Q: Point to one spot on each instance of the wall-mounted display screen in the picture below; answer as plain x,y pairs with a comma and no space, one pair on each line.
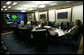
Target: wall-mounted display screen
20,15
63,15
43,16
12,17
18,20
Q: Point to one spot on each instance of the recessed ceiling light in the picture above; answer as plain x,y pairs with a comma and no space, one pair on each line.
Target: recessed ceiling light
23,11
14,3
6,9
4,6
52,4
8,2
41,6
9,6
30,9
67,1
1,9
41,2
22,8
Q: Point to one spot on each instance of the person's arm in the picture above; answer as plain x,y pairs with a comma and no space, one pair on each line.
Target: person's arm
66,32
75,31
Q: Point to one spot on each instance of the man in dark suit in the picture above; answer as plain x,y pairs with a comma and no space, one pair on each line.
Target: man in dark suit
29,26
74,32
21,25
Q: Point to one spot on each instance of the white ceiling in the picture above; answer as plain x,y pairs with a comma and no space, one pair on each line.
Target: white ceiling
26,5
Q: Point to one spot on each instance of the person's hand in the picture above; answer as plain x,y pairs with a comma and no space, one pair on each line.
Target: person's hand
66,30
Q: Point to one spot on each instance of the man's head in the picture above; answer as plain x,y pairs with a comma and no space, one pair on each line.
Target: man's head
29,23
22,22
77,22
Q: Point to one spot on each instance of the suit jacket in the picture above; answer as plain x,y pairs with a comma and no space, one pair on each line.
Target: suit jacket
29,27
73,34
20,25
75,31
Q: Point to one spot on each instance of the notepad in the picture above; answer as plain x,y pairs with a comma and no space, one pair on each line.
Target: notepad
60,32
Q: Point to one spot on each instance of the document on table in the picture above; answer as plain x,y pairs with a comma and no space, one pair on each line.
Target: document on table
47,26
60,32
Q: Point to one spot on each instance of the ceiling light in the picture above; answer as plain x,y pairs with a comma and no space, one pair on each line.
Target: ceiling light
4,6
9,6
14,3
30,9
52,4
41,2
22,8
34,5
67,1
1,9
41,6
23,11
6,9
8,2
30,6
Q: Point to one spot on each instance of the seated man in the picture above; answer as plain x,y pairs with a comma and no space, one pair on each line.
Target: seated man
74,32
21,24
29,27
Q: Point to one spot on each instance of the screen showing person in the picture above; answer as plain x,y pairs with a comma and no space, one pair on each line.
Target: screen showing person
8,16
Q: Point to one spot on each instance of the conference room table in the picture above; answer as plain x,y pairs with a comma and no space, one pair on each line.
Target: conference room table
52,30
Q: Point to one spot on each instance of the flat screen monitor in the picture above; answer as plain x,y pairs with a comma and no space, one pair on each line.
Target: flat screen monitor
63,15
43,16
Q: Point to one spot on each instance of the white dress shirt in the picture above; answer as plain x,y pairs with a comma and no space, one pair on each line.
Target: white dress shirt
72,28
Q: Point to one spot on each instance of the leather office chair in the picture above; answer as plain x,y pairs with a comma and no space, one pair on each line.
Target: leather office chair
57,24
65,25
75,43
39,38
71,42
71,24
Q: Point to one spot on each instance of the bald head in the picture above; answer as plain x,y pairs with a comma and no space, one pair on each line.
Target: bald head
22,22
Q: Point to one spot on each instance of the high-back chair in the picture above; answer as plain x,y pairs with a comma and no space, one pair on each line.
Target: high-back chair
71,24
57,24
75,43
39,37
65,25
24,34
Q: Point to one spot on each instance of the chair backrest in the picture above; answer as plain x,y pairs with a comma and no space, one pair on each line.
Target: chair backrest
57,24
65,23
39,35
71,24
78,40
80,49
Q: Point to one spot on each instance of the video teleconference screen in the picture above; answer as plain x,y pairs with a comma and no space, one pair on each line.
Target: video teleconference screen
62,15
12,17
